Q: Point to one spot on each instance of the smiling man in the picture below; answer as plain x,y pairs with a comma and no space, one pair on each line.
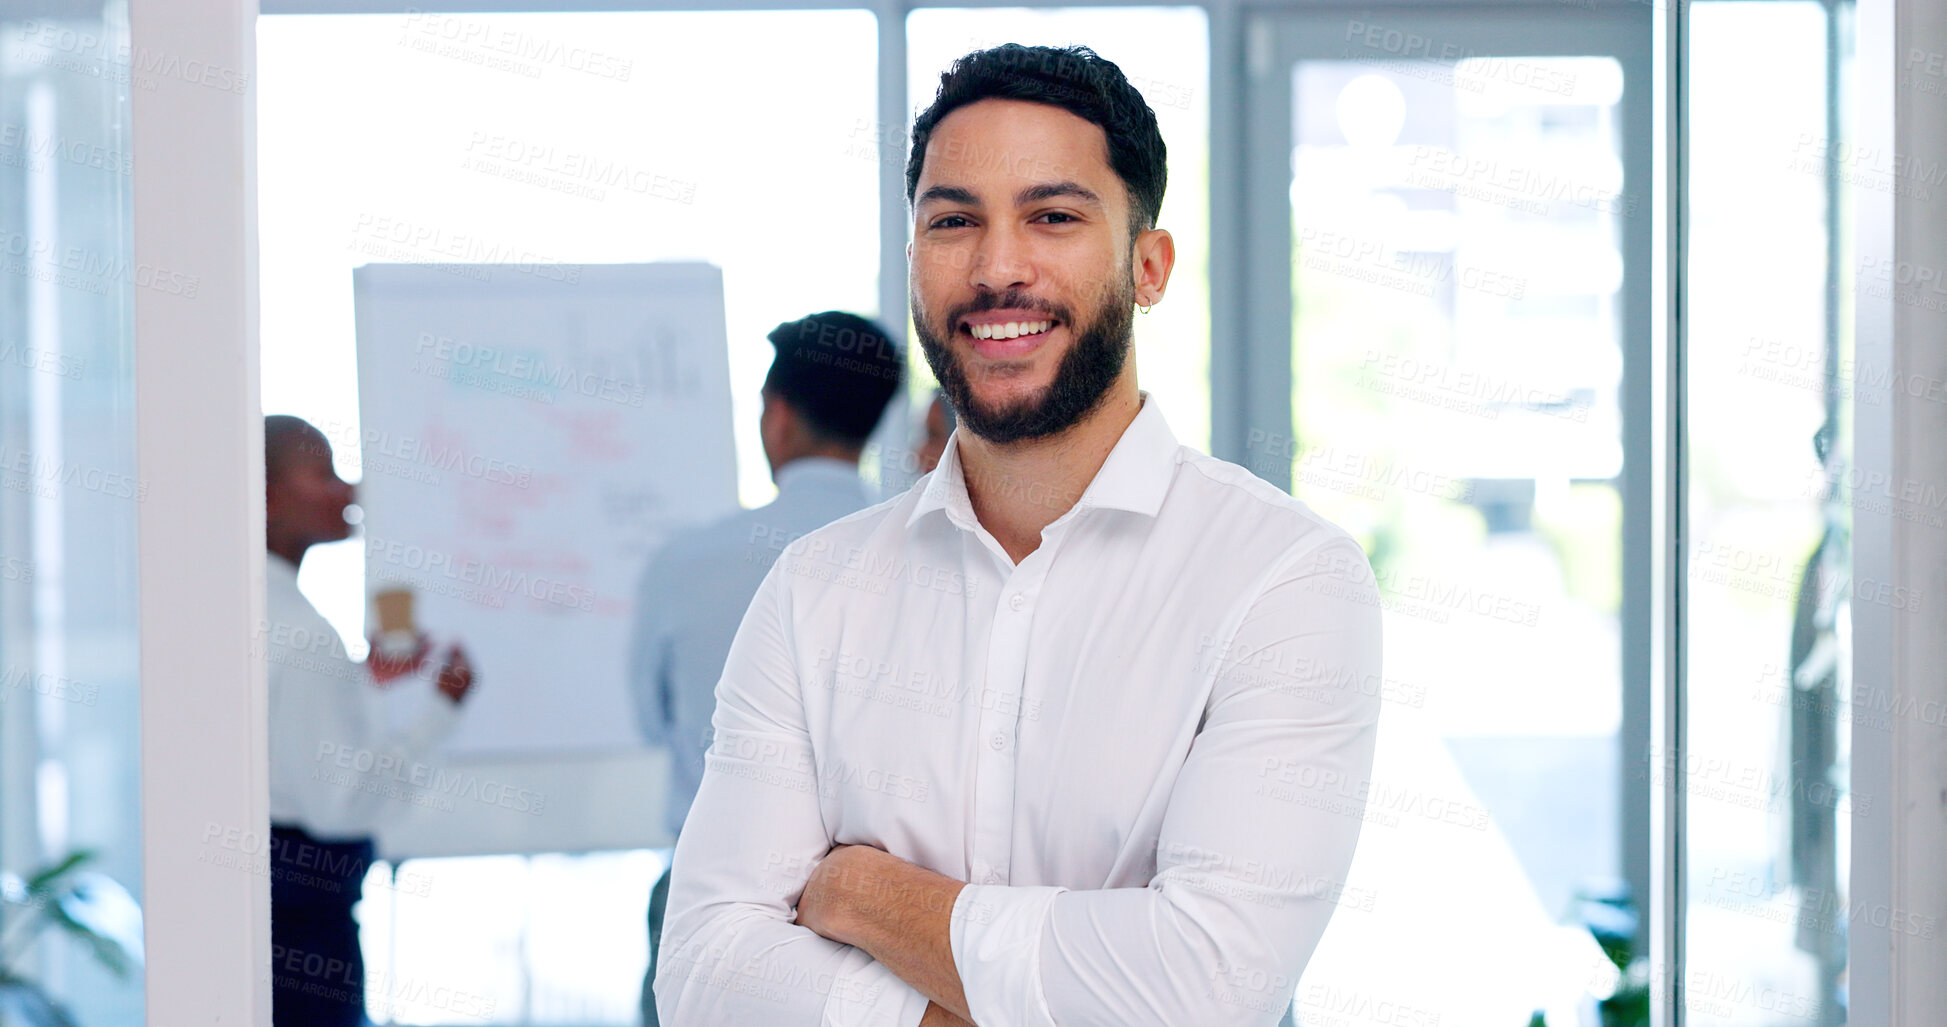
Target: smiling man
1077,730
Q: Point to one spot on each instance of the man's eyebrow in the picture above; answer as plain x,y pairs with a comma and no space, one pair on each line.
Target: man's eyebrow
948,194
1050,190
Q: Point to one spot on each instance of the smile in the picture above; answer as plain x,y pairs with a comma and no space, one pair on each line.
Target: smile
1010,330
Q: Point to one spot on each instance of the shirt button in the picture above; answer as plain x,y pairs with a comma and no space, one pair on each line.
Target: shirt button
991,878
1015,602
997,742
982,872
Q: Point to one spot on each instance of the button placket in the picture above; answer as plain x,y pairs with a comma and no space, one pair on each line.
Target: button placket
993,821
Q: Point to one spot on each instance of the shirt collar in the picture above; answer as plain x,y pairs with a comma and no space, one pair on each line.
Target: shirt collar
1135,477
817,471
275,564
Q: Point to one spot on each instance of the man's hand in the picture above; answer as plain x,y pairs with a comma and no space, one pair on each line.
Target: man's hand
898,913
386,668
829,898
456,677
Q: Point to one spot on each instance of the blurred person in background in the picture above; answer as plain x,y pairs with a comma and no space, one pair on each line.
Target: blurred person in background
334,769
830,381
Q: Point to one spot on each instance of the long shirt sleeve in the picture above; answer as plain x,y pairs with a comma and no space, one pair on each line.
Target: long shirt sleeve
730,952
336,769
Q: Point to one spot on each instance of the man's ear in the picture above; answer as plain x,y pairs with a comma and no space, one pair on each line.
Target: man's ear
780,422
1154,258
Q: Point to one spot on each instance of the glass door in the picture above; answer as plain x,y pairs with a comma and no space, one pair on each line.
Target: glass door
1452,237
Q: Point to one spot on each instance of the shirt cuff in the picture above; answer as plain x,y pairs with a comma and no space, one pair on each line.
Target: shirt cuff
866,994
996,937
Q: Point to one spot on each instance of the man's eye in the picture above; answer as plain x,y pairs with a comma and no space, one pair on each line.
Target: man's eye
1065,217
951,221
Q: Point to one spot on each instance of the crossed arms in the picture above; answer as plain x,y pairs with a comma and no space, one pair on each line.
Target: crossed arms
770,924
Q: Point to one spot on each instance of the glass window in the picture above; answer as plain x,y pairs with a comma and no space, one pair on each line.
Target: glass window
1457,282
471,138
1456,361
69,708
1769,706
463,138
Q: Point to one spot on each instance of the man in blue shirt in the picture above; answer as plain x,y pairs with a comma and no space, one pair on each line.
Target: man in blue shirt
831,380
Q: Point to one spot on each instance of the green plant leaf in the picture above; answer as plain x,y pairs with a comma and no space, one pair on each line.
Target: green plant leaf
46,878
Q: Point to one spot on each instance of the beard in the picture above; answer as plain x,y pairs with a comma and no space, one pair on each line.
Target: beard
1086,371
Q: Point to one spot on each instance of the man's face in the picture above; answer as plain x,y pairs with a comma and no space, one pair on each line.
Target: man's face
1022,268
305,497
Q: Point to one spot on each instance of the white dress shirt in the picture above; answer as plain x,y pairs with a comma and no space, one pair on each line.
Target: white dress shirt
1146,746
335,771
691,597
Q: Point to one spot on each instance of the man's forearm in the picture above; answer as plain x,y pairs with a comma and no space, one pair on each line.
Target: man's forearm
898,913
937,1016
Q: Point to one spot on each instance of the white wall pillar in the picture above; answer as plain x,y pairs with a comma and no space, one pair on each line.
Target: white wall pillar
1899,610
201,561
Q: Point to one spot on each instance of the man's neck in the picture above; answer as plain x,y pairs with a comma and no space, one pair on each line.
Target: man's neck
1019,488
844,454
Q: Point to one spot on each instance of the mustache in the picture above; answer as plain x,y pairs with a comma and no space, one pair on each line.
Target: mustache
1010,300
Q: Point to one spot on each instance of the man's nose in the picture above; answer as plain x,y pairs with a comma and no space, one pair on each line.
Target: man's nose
1002,261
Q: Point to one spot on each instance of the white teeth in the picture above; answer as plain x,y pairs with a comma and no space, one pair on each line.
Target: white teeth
1010,330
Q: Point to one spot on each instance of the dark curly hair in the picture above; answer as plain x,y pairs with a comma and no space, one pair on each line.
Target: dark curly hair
1077,80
